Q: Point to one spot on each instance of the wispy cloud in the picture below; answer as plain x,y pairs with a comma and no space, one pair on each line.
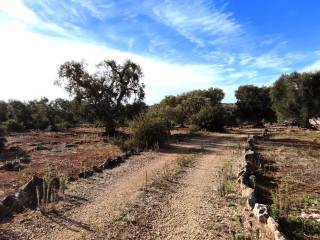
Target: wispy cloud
196,18
38,65
181,45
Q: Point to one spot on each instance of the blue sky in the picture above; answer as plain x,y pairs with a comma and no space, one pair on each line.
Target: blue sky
181,45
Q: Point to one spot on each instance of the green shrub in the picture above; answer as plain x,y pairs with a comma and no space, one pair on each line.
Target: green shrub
123,143
2,138
193,129
149,131
63,126
13,125
209,118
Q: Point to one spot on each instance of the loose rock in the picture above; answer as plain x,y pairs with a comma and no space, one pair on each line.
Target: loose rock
29,194
4,212
261,212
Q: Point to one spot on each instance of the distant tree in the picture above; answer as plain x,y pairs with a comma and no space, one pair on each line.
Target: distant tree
3,111
19,113
215,95
107,90
61,111
2,138
311,96
297,96
182,107
254,104
230,114
39,113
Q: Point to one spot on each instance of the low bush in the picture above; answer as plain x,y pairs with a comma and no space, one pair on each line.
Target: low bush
210,118
148,131
63,126
193,129
13,125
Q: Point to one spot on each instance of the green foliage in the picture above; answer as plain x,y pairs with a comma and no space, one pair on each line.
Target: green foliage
149,131
230,114
39,113
225,184
20,113
107,90
3,111
209,118
254,104
181,109
2,138
194,129
13,125
297,96
299,228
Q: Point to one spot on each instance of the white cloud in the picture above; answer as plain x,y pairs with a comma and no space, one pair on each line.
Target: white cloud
193,18
29,64
17,9
315,66
29,60
271,60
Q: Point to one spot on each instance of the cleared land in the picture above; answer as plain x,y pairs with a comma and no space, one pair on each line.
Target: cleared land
60,153
173,193
170,194
290,181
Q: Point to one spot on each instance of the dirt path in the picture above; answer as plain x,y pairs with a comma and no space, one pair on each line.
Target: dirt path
187,205
184,205
191,214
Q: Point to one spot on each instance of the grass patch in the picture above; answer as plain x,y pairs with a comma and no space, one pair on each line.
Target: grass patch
226,183
296,228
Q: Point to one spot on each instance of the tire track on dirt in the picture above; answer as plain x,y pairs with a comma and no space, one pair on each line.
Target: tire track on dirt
91,203
186,205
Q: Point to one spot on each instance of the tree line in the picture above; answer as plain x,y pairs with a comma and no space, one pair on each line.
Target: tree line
113,95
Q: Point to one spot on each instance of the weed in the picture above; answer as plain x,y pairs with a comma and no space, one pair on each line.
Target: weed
225,180
241,232
63,183
185,161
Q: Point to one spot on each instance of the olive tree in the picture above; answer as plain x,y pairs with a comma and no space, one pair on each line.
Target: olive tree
107,90
254,104
297,96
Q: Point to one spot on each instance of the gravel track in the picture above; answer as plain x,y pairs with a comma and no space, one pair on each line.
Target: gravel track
117,204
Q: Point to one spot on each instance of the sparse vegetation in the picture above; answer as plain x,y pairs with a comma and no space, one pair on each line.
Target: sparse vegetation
226,183
289,185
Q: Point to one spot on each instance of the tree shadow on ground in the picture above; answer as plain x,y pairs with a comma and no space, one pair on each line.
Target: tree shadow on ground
6,234
71,224
13,153
182,143
287,142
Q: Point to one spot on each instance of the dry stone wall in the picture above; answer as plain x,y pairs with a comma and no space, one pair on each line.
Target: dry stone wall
251,163
30,195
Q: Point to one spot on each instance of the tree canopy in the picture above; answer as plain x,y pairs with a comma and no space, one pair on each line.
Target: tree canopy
254,104
297,96
107,90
